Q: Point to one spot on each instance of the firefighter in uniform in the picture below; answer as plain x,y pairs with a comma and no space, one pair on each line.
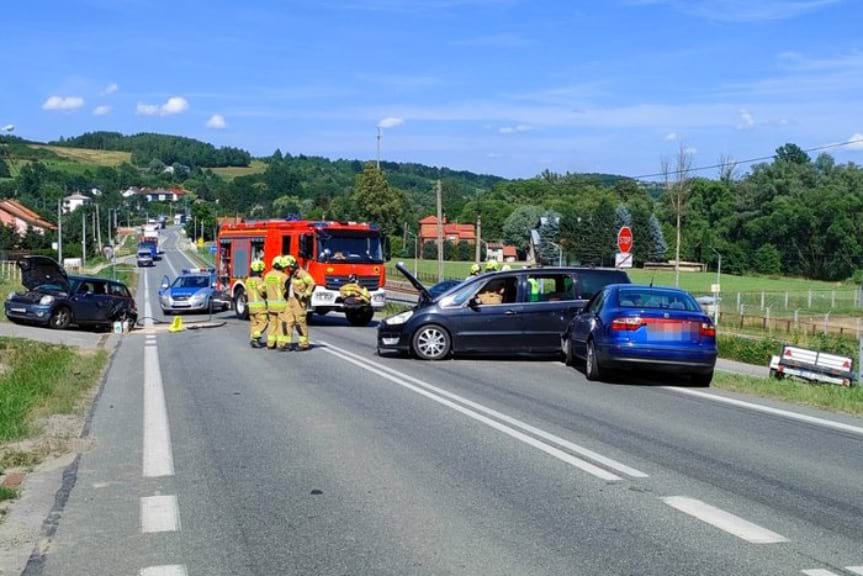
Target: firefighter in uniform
474,271
256,300
275,283
301,286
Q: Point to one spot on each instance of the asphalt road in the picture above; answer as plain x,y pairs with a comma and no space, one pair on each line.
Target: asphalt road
211,458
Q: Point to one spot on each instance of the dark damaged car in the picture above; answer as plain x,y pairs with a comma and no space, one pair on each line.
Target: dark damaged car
513,312
57,300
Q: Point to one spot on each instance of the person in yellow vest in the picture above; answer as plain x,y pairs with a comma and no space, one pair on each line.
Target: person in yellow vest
256,300
491,266
352,293
275,283
301,286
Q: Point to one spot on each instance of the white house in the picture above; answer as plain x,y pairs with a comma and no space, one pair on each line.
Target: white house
74,201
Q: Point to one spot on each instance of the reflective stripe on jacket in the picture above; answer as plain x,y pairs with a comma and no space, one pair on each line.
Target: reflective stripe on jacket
274,284
256,294
302,284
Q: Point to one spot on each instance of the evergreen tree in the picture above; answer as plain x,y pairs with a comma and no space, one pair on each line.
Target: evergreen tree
549,234
4,169
375,201
658,245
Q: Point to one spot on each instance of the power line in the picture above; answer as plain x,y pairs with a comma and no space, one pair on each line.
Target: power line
747,161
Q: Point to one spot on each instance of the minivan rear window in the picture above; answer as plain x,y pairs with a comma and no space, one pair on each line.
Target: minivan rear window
589,282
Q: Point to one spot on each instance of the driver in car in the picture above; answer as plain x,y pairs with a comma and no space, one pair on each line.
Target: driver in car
492,293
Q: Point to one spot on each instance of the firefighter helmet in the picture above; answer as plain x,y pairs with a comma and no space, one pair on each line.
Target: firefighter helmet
257,266
278,262
289,261
474,269
491,266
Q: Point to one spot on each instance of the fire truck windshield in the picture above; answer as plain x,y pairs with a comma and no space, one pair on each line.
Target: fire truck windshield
358,248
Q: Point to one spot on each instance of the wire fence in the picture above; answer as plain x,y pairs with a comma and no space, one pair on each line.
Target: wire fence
9,270
790,303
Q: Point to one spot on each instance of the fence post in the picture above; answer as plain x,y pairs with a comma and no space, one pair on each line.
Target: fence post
809,305
833,298
767,319
738,301
786,300
797,319
762,299
826,322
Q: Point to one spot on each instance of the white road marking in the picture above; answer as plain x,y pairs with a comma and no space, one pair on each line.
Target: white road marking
769,410
571,446
171,266
159,514
723,520
158,456
818,572
855,569
148,312
166,570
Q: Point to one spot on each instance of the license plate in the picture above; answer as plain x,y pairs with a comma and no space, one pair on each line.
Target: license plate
19,310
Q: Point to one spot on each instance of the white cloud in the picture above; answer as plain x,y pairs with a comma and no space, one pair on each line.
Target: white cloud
216,121
63,103
742,10
102,110
671,137
174,105
857,137
110,89
747,121
690,150
515,129
390,122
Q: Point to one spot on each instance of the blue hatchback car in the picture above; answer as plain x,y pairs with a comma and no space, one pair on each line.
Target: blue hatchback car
633,326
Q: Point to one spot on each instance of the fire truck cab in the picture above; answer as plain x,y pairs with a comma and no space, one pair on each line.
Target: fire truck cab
329,251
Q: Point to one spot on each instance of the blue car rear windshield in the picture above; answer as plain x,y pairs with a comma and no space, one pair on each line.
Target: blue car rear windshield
192,282
660,299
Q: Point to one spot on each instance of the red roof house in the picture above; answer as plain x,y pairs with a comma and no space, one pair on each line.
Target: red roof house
453,232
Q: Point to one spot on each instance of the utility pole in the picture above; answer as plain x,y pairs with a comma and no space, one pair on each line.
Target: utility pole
83,239
60,232
478,238
439,232
379,148
99,229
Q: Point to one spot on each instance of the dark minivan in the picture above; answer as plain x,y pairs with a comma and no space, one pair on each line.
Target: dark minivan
513,312
58,300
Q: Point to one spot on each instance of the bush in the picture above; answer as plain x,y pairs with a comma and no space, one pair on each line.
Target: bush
429,251
748,350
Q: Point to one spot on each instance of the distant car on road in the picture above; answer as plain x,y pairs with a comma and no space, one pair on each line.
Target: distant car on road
145,258
193,291
643,327
513,312
57,300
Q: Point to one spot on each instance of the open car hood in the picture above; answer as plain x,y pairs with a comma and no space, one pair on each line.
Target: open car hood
40,270
413,280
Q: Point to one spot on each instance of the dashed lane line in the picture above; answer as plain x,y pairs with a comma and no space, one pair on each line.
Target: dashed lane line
159,514
725,521
158,455
165,570
818,572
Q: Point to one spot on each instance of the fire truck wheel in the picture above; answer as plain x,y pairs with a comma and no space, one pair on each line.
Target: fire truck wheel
240,305
360,317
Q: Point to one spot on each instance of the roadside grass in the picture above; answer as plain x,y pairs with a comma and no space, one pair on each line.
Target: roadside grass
7,286
830,397
40,380
231,172
7,493
697,282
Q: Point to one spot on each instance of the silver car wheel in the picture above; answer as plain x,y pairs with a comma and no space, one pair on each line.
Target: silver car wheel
431,342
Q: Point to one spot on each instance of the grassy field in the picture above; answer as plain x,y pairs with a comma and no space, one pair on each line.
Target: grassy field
835,398
231,172
40,380
697,282
87,156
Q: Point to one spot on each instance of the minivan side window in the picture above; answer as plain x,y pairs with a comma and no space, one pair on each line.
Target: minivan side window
498,290
550,288
589,282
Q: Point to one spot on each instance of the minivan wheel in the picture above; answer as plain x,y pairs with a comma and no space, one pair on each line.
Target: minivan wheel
61,318
591,364
431,342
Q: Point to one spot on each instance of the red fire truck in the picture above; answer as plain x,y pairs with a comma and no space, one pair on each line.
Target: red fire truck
329,251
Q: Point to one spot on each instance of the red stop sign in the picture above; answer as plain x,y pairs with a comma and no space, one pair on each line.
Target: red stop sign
624,239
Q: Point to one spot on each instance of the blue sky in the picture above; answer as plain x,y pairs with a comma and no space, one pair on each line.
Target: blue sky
509,87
